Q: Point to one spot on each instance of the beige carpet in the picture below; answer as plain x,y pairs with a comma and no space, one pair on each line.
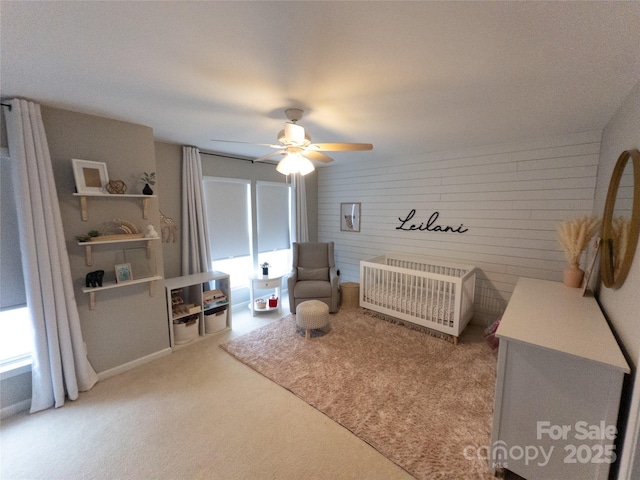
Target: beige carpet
197,414
416,399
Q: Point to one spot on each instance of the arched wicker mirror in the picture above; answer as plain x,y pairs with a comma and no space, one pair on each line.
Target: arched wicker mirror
621,220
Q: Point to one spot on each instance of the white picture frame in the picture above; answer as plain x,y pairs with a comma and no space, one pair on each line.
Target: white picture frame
350,217
91,177
123,273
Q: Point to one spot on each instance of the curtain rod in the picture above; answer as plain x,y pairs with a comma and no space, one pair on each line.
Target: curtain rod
226,156
234,158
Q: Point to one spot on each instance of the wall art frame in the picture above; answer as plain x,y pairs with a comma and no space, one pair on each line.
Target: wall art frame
123,272
350,217
91,177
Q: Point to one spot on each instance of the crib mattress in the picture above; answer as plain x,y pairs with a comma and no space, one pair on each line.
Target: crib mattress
437,307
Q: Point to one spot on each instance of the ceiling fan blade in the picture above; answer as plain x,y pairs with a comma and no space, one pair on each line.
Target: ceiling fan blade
320,157
271,145
340,147
269,155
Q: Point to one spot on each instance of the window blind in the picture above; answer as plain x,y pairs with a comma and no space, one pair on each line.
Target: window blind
273,216
228,222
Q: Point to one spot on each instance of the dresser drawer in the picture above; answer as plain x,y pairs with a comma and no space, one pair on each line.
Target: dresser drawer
266,283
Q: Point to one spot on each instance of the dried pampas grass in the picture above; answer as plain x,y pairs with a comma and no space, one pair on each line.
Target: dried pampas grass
620,233
574,236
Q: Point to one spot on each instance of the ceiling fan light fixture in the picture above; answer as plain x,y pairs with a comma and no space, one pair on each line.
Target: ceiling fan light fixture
305,165
296,144
294,133
295,163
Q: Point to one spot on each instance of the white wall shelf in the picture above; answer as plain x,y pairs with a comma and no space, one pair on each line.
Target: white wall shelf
88,246
83,201
111,240
109,285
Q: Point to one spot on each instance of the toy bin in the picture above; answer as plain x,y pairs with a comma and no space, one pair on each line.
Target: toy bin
215,320
185,332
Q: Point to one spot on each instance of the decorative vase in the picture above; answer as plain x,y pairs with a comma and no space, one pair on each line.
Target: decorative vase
573,276
147,189
265,270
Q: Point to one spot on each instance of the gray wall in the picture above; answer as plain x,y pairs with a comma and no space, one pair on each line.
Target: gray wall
15,392
169,174
127,323
622,306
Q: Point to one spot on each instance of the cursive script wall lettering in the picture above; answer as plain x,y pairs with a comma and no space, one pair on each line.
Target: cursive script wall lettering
429,226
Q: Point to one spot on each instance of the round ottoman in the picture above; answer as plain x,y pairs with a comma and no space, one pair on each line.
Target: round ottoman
312,314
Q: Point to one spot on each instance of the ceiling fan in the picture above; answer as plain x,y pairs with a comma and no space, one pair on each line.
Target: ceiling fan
295,144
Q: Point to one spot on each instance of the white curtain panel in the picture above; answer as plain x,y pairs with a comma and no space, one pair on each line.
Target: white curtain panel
300,200
196,256
59,363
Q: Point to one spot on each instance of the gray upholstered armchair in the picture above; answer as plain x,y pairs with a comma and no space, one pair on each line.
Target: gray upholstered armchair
314,275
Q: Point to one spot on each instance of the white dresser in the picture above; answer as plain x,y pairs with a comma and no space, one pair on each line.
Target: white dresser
558,385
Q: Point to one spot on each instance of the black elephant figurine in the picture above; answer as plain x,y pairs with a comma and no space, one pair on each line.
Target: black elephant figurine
94,279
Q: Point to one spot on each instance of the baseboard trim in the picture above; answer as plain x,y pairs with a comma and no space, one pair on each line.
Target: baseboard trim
15,408
112,372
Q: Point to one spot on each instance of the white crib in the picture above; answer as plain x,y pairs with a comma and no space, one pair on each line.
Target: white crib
425,291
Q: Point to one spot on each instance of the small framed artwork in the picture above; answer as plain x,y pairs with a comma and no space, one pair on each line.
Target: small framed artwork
123,273
350,217
91,177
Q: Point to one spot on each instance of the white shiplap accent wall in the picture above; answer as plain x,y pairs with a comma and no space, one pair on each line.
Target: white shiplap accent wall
510,197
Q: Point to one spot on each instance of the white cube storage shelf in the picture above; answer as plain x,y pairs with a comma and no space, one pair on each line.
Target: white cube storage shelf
203,296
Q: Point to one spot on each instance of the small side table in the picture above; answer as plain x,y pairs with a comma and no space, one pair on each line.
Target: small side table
265,282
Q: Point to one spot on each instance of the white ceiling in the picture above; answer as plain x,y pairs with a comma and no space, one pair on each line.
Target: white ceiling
409,77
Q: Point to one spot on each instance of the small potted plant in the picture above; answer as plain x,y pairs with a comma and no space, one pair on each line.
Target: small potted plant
89,236
265,268
148,179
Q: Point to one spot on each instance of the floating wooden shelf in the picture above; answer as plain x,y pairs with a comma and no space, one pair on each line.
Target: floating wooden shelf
83,201
88,245
109,285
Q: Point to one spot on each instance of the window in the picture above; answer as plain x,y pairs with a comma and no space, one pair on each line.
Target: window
15,326
273,204
228,212
235,209
15,337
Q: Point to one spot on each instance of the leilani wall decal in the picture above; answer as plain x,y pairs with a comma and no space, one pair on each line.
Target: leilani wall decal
430,226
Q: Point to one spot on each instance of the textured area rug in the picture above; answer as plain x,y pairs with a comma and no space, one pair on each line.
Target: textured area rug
422,402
